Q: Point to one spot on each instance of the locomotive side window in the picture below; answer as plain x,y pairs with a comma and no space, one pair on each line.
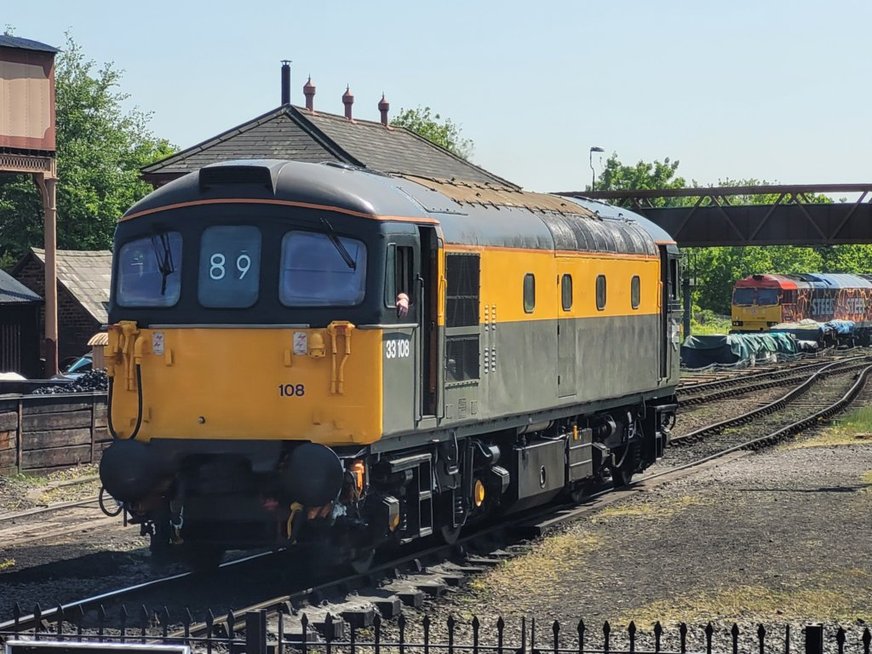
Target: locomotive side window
461,294
566,292
635,292
673,279
529,293
317,270
462,273
229,266
600,292
149,271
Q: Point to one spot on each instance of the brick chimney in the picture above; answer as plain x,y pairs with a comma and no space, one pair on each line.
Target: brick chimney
309,92
286,82
347,100
383,107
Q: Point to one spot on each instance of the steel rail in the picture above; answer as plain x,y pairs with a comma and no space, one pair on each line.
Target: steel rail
776,405
788,377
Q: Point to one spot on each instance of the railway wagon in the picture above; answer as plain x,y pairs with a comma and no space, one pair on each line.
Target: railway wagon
315,353
762,301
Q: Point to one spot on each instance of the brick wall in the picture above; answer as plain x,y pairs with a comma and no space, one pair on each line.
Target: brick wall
75,324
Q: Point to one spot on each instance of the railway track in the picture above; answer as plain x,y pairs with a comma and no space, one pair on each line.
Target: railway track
65,518
308,607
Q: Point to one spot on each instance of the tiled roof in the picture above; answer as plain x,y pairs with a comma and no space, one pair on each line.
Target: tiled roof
87,275
272,136
9,41
14,292
397,150
300,135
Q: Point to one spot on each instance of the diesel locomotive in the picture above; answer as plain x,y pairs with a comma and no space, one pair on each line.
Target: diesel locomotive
763,301
317,353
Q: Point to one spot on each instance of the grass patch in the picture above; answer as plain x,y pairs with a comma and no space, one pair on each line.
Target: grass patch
659,509
855,428
6,564
545,563
820,599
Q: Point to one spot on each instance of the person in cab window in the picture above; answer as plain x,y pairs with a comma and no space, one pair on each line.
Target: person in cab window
404,305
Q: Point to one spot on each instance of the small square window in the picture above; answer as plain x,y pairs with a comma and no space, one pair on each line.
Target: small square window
635,292
529,293
566,292
600,292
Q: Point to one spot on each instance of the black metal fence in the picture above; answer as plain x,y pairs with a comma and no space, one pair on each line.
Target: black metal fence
258,632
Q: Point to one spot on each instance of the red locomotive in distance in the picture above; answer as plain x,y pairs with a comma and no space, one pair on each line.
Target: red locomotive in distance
763,301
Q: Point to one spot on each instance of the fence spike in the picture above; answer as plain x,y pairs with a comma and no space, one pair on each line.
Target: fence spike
475,625
709,630
658,634
451,623
555,629
682,633
761,637
631,630
376,633
840,640
401,623
581,629
607,630
501,625
867,640
734,633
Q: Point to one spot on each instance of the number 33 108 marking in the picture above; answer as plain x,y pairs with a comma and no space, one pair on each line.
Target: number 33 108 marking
397,349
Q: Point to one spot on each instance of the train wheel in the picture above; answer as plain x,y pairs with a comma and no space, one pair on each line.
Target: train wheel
362,561
622,473
449,535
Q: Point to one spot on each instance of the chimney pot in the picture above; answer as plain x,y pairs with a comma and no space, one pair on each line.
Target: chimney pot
309,92
383,107
286,82
347,100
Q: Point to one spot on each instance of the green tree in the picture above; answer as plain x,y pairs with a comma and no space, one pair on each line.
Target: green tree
443,132
100,149
644,175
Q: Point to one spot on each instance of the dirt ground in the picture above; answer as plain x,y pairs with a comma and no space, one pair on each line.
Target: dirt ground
780,537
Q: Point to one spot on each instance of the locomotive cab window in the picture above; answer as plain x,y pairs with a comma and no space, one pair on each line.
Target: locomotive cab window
149,271
322,270
566,292
600,292
399,274
635,292
529,293
229,266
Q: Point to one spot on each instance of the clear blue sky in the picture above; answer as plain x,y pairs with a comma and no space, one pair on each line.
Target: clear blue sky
775,90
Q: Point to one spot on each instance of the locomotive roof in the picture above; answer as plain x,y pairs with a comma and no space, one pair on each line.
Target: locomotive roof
469,213
805,280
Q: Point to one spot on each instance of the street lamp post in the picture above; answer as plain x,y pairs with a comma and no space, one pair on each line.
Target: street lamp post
595,148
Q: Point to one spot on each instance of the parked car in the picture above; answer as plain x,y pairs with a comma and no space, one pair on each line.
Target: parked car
77,368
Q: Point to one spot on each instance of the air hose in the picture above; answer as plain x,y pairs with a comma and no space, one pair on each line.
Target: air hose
138,424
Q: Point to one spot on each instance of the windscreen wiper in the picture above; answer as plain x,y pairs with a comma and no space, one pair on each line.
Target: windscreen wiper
164,257
346,257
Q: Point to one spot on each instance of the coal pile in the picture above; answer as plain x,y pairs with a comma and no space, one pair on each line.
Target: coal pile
90,382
